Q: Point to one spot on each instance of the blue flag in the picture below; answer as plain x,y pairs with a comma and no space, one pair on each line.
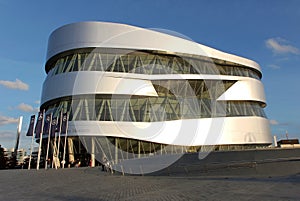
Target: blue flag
31,125
58,125
64,124
53,126
38,126
47,124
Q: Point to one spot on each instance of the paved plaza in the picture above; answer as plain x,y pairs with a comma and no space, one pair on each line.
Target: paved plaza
93,184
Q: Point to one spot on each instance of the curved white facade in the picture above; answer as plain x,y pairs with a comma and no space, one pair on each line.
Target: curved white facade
127,82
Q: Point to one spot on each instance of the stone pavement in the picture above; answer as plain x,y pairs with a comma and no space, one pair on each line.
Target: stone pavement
92,184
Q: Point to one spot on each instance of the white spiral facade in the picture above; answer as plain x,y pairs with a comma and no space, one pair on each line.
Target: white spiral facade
127,82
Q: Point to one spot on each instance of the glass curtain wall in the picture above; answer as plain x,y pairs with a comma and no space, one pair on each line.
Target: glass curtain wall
143,62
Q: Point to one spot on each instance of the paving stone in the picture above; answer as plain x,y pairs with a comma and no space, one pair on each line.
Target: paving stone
92,184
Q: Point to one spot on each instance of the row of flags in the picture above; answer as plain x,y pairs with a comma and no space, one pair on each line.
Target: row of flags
47,124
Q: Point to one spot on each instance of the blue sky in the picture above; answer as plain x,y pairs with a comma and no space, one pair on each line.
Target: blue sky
267,31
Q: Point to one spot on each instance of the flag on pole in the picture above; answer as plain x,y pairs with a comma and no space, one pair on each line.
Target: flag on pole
38,126
31,125
64,123
47,128
64,130
58,125
38,130
53,127
47,124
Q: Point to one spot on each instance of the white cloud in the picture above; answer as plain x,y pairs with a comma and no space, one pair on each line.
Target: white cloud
280,46
273,122
7,138
8,120
18,84
37,102
7,134
273,66
26,108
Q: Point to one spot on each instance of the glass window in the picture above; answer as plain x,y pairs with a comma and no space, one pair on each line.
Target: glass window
145,63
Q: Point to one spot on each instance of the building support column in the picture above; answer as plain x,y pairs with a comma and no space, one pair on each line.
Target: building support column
116,150
127,145
71,150
92,162
139,149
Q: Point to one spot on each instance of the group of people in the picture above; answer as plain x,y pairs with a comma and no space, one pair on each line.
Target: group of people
105,164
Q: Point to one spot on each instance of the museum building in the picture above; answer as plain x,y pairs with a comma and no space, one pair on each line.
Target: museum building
132,92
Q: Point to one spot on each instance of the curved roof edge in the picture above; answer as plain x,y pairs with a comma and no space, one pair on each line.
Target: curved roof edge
115,35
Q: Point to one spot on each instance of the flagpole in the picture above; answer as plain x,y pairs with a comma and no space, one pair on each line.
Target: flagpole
30,133
40,144
54,150
49,132
64,154
54,154
15,153
31,147
57,154
59,131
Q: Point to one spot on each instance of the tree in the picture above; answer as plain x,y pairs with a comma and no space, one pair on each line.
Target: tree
2,158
